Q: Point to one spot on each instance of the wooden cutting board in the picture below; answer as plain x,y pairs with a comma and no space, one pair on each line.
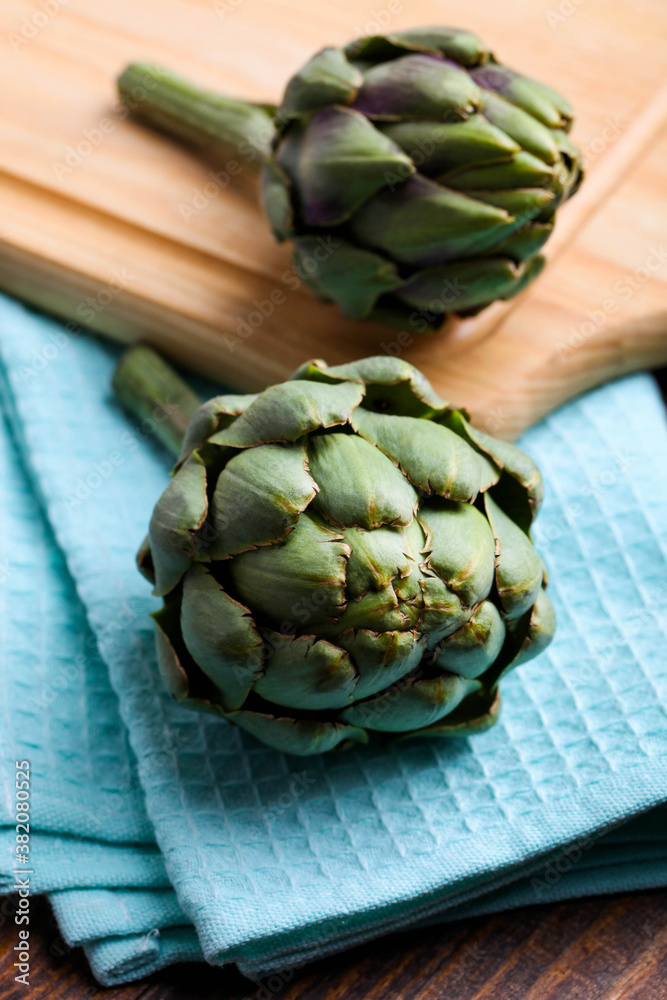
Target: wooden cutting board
122,231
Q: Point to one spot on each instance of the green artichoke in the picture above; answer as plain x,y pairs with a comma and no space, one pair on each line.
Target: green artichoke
415,175
343,554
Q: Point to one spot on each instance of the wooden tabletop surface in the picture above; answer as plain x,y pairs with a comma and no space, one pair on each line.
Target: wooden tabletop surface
604,948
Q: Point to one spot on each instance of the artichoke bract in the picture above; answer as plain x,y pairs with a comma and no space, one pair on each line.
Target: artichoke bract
415,174
344,554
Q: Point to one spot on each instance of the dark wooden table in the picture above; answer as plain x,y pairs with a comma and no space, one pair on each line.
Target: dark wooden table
604,948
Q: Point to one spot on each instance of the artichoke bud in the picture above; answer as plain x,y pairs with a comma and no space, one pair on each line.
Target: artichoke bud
388,158
344,554
411,151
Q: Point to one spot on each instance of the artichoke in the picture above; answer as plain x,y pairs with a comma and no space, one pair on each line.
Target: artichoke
344,554
415,174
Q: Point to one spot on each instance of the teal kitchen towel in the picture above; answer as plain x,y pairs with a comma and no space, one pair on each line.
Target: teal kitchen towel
87,825
275,859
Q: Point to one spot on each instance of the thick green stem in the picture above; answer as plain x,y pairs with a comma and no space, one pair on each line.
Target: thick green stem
153,392
223,125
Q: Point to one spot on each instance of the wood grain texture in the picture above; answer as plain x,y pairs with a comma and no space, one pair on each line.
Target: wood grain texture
606,948
111,226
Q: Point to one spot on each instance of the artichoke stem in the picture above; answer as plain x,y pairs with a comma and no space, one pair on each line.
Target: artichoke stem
153,392
222,125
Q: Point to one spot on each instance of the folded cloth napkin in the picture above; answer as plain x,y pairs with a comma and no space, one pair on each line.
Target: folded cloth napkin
88,823
276,860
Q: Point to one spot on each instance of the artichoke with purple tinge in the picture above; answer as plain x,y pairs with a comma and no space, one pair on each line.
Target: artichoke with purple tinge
415,175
